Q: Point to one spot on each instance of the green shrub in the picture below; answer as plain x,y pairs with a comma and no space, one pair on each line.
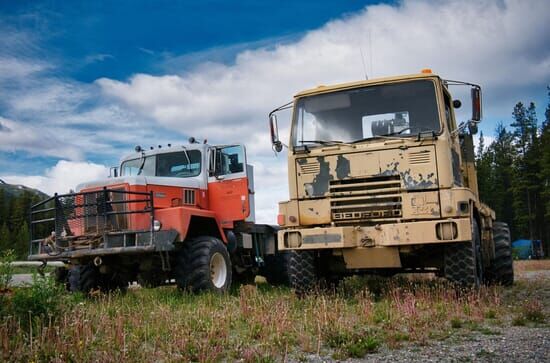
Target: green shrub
40,300
6,269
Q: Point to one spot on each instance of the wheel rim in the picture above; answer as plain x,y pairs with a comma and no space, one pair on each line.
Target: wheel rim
218,270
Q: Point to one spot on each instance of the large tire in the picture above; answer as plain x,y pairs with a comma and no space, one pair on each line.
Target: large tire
462,261
204,265
87,278
302,272
84,278
501,270
276,270
151,278
61,276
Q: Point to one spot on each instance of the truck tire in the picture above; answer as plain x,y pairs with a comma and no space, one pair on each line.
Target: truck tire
501,270
276,270
86,278
302,272
61,276
204,265
150,279
462,261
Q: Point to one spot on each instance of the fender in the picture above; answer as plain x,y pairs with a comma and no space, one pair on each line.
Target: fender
179,219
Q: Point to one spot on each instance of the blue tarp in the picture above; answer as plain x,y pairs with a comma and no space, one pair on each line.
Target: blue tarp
525,249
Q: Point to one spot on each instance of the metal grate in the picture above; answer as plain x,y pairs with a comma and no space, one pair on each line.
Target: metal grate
420,157
189,196
310,168
372,200
80,220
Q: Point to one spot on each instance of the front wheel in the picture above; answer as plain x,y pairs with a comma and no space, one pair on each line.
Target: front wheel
462,261
302,272
204,265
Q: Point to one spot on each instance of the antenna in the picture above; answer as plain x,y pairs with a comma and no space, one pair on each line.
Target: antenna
363,60
370,51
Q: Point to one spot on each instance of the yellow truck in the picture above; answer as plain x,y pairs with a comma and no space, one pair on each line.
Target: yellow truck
383,180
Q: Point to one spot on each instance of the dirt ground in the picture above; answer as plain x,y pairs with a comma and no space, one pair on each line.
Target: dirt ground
510,342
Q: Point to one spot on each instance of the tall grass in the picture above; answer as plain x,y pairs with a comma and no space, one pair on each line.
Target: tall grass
252,323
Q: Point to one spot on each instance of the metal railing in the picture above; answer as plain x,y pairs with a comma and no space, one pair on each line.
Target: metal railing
82,220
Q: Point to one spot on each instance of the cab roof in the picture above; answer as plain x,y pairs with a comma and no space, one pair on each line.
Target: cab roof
357,84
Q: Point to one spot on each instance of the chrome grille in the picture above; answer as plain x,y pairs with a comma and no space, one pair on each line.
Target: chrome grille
372,199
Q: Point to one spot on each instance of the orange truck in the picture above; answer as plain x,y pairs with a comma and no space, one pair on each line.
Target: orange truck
183,213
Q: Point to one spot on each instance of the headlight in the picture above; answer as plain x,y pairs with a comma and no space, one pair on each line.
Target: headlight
157,225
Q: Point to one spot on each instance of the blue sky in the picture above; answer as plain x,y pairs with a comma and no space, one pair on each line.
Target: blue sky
81,83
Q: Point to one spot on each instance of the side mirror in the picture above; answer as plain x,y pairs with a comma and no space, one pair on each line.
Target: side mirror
113,172
476,104
277,144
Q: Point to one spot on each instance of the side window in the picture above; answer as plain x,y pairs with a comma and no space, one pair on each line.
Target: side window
230,160
448,117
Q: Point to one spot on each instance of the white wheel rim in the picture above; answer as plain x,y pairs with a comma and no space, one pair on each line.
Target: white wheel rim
218,270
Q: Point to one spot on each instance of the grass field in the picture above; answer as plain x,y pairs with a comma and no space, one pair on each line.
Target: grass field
258,323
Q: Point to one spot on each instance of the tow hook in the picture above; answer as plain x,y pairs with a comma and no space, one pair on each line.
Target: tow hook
98,261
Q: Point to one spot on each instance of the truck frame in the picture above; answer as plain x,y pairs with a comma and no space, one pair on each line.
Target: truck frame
183,213
383,180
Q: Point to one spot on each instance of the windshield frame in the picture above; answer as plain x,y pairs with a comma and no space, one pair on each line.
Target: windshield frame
295,114
156,166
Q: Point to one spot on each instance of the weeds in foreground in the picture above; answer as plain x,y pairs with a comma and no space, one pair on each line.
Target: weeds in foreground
252,323
6,269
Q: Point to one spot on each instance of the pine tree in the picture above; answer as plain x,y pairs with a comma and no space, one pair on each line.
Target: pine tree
500,181
5,238
21,242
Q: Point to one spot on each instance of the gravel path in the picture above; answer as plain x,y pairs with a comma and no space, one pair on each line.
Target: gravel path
515,344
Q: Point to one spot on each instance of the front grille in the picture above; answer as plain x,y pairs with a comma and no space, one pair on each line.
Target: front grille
189,196
369,200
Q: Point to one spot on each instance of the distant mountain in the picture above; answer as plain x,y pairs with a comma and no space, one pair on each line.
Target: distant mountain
14,190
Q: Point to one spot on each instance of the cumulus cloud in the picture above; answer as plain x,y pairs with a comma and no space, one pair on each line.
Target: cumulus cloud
37,141
62,177
500,44
489,42
486,42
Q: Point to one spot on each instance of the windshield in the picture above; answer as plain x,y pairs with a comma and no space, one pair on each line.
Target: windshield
403,109
175,164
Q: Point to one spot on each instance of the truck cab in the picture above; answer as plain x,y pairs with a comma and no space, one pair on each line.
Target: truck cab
382,178
142,223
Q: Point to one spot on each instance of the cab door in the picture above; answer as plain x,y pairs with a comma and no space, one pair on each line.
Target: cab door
228,184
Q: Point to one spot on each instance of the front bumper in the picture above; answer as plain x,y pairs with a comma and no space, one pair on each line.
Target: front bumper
383,235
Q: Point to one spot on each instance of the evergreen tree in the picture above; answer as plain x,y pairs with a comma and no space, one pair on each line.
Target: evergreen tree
503,155
21,242
5,238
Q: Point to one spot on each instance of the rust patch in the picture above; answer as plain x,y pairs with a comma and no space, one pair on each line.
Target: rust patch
321,180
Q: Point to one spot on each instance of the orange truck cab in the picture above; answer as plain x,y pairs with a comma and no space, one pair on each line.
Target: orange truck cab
148,222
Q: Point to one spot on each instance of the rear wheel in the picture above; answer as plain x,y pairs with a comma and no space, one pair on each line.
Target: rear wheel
462,261
276,270
302,272
501,270
204,265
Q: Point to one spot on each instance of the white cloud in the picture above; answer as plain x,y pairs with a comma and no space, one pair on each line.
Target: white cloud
37,141
16,68
489,42
503,45
62,177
